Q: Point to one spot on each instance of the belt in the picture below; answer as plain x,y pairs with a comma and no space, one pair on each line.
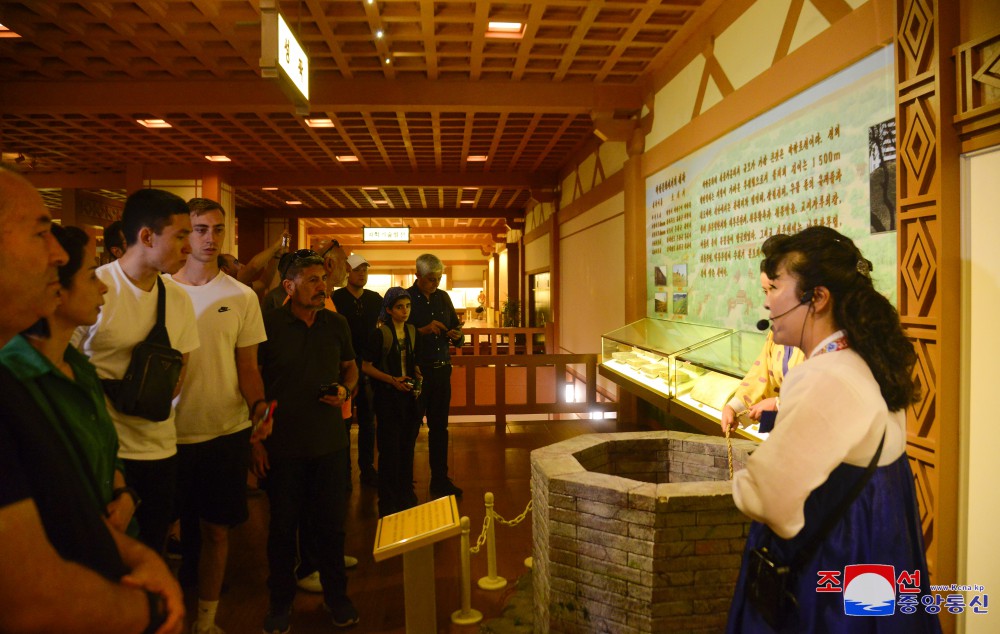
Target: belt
437,364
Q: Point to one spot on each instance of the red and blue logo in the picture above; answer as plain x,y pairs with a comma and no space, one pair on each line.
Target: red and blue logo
869,590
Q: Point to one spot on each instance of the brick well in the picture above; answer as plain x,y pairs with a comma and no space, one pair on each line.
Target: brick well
635,532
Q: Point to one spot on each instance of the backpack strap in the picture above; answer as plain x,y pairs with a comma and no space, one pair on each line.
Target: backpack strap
386,344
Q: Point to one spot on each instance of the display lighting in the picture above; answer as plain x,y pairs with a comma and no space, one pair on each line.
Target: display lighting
153,123
218,158
477,158
320,123
347,158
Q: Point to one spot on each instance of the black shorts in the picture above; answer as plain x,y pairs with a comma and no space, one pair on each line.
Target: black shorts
212,479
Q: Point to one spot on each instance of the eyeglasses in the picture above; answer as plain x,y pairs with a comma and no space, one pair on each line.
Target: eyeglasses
333,245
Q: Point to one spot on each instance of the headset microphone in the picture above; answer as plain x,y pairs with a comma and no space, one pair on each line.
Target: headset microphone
764,324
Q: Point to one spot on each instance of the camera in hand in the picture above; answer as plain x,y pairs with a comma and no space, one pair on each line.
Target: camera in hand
329,389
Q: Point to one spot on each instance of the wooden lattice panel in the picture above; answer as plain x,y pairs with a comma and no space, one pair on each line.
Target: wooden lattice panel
927,193
978,82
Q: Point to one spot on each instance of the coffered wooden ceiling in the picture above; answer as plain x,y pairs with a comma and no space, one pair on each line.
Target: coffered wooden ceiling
82,72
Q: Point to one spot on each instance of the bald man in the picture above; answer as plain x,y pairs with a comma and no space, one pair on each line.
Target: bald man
64,570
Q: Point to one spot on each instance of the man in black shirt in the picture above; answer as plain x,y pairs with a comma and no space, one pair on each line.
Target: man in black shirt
361,307
308,366
63,569
437,322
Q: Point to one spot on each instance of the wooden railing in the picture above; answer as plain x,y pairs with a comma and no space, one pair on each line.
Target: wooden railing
524,384
513,341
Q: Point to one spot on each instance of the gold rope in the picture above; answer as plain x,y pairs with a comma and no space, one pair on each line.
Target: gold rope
729,449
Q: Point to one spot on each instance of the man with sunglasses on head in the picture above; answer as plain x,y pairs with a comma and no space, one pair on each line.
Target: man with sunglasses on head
308,366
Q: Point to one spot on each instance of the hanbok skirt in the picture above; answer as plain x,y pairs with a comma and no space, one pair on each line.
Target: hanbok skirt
881,526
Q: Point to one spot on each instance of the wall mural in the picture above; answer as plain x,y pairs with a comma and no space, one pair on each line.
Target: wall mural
826,156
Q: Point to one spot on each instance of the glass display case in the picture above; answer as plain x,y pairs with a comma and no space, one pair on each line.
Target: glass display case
644,352
708,374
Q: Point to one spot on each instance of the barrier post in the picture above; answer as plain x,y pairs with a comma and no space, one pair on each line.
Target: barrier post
491,581
466,615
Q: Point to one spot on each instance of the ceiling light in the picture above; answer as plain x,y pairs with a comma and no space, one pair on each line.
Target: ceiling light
388,60
293,202
370,189
218,158
472,189
477,158
153,123
468,202
378,34
381,202
347,158
6,32
268,189
371,1
505,29
320,123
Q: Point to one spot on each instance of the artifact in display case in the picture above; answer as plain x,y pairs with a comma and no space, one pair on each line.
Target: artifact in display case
643,352
709,374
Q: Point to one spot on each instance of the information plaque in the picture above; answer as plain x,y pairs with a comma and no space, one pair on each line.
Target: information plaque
416,527
412,534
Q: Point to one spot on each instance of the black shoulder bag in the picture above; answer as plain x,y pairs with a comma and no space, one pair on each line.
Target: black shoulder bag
770,583
147,389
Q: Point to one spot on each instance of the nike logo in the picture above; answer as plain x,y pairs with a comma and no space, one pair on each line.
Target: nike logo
223,309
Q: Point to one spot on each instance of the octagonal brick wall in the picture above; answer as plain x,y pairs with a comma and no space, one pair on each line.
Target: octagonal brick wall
635,532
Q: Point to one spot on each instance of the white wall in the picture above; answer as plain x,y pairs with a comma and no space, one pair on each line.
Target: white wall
979,550
592,270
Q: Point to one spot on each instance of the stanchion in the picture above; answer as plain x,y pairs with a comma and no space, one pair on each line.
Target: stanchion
491,581
466,616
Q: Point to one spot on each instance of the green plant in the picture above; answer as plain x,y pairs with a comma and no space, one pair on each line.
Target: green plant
510,314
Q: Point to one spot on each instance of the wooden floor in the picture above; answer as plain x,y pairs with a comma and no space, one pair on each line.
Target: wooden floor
481,459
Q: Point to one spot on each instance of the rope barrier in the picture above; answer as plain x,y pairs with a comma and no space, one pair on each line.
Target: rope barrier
729,451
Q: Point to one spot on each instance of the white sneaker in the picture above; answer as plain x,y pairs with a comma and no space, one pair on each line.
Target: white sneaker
350,562
311,583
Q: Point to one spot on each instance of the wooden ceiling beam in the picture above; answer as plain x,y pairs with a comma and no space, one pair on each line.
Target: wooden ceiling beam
466,212
340,95
352,178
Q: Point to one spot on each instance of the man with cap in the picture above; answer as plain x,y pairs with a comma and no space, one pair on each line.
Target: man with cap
361,307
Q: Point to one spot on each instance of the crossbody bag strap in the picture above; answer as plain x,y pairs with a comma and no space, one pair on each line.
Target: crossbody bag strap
159,332
806,552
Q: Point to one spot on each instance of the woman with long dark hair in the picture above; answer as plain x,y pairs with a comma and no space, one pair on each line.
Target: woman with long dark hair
832,486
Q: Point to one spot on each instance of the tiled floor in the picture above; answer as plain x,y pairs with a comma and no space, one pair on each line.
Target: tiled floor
480,460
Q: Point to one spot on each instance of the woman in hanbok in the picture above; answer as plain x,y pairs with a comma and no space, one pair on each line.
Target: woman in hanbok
832,487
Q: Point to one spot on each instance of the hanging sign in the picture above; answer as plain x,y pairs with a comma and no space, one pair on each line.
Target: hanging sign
386,234
282,56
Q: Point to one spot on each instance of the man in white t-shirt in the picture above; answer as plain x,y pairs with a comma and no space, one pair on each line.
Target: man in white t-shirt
222,392
156,225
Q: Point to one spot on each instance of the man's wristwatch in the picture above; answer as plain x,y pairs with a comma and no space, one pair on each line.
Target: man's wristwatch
118,492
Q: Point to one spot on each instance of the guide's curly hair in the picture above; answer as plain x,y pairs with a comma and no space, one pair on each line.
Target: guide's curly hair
820,256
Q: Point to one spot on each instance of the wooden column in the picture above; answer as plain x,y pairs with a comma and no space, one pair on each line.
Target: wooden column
929,264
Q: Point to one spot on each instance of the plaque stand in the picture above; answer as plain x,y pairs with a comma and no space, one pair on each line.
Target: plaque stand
412,533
